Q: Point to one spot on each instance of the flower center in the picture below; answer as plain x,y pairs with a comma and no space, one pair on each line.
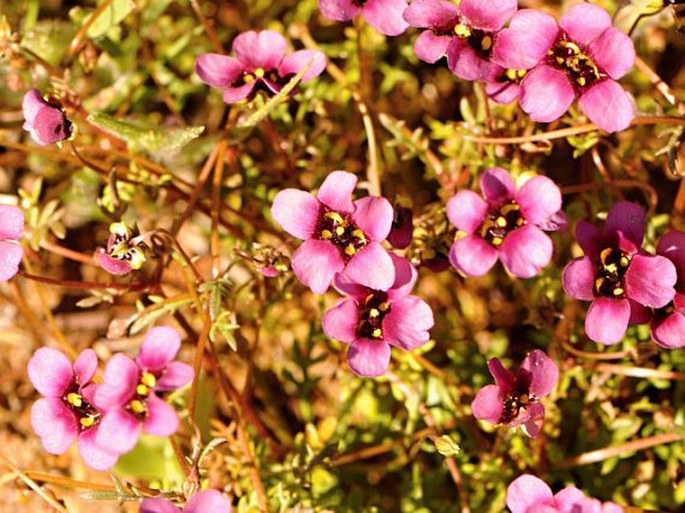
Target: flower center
87,414
567,56
138,405
610,271
341,232
514,75
513,404
121,246
500,222
374,309
479,40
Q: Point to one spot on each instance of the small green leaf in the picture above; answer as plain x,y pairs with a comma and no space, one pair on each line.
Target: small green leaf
110,17
446,446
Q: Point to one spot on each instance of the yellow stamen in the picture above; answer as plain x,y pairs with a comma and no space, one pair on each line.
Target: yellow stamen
612,268
511,74
521,73
87,421
373,313
497,241
148,379
581,81
142,390
501,222
598,283
383,307
326,234
248,79
137,406
604,255
376,333
137,258
259,72
359,235
74,399
368,298
486,43
510,207
618,291
120,229
524,399
462,30
350,250
624,261
340,230
335,217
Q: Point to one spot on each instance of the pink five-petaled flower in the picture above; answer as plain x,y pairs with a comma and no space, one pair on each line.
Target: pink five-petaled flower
514,399
260,63
668,323
507,224
466,33
616,275
46,122
383,15
373,320
125,250
67,411
209,501
11,230
530,494
338,234
582,57
129,392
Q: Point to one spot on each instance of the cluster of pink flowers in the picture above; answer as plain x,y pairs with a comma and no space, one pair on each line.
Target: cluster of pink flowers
11,230
106,418
343,245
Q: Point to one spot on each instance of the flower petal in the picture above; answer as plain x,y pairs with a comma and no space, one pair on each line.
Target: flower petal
650,280
315,263
670,332
590,238
374,216
585,22
158,506
85,366
629,219
438,15
160,346
113,265
570,498
340,322
218,70
292,64
546,94
608,106
336,191
405,277
578,279
543,372
607,320
54,424
386,16
93,455
407,324
539,199
264,49
497,185
297,212
50,126
472,256
339,10
118,431
176,375
162,419
526,491
502,92
488,15
672,246
614,51
11,222
209,501
430,47
31,104
464,62
236,94
524,44
50,372
504,379
488,405
466,210
525,251
369,358
120,380
372,267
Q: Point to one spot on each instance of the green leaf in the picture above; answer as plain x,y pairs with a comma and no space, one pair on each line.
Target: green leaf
110,17
446,446
152,459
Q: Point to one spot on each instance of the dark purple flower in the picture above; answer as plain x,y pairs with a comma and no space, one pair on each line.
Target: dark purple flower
514,399
45,121
11,230
616,275
508,224
383,15
260,63
209,501
338,234
530,494
581,57
402,230
465,33
129,393
372,320
67,412
668,323
125,250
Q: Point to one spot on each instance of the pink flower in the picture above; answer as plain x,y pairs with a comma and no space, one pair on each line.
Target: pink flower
514,399
668,322
45,121
210,501
465,33
582,57
616,275
260,63
130,392
11,230
67,413
503,85
338,234
372,320
383,15
125,251
508,224
529,494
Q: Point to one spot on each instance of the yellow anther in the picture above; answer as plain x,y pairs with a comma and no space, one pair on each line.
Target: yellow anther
520,221
368,298
605,253
501,221
581,81
511,74
74,399
618,291
624,261
148,379
87,421
334,216
486,43
611,268
120,229
326,234
509,207
259,72
376,333
373,313
598,283
497,241
560,60
358,234
574,47
142,390
462,30
248,78
384,306
350,250
137,258
137,406
521,73
524,399
340,230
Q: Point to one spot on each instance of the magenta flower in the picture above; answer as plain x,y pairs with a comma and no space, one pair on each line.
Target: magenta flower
372,320
210,501
383,15
125,250
338,234
11,230
508,224
66,412
514,399
668,323
530,494
45,121
260,63
581,57
616,275
130,392
466,34
402,230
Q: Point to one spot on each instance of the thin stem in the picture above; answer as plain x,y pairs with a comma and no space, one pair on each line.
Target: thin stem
77,43
209,29
71,284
